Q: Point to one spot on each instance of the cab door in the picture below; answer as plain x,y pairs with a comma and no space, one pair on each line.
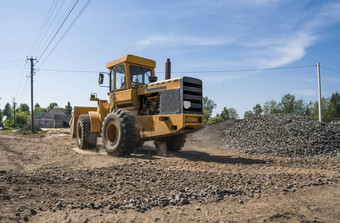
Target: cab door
121,93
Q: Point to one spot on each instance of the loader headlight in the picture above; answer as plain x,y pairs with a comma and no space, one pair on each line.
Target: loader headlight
187,104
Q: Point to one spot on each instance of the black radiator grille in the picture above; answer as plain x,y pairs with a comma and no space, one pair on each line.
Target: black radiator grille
191,90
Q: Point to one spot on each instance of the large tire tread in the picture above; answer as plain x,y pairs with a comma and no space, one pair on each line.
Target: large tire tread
129,133
86,139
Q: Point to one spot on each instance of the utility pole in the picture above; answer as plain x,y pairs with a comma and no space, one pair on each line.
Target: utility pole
32,72
319,90
14,105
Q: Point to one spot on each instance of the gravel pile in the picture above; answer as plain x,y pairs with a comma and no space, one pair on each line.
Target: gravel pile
280,135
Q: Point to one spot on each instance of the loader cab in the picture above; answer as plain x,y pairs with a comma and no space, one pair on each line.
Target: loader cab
130,72
126,75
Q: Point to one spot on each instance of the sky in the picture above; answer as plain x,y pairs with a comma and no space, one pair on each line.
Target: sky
200,38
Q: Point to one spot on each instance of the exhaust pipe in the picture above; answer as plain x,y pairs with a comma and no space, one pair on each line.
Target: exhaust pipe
167,69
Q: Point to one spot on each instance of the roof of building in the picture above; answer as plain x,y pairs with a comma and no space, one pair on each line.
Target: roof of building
65,118
51,113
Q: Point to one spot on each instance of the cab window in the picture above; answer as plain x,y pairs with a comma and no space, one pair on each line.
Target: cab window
139,74
119,73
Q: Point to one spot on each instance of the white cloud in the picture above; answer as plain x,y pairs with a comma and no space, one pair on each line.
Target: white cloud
183,41
283,51
256,46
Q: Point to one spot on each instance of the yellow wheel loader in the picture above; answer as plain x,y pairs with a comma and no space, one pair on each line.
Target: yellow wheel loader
139,109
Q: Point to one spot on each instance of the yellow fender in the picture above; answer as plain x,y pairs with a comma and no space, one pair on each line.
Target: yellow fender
97,117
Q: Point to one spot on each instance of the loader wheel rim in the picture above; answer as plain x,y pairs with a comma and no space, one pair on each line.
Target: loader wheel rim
112,133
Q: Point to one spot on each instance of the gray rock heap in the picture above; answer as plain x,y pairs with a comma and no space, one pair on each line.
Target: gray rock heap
280,135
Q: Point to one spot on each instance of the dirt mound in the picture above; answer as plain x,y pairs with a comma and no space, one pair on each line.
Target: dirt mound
280,135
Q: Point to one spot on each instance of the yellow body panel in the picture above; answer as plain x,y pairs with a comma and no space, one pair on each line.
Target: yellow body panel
161,125
97,117
159,86
95,121
132,59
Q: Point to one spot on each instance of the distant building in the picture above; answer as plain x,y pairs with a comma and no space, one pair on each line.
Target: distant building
55,118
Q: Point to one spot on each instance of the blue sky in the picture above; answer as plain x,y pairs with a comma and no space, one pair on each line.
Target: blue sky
196,35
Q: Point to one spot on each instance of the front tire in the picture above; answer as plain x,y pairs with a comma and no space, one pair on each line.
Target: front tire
120,133
85,138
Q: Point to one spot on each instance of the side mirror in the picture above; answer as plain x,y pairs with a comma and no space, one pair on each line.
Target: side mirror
153,79
101,79
93,95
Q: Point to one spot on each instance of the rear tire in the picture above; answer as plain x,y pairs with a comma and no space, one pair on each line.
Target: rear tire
120,133
172,143
85,138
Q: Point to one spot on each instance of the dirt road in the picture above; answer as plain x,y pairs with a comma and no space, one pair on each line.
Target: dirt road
45,178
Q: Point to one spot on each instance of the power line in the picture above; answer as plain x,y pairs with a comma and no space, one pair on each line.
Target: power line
330,69
22,74
207,71
52,22
58,30
42,28
23,91
75,71
241,70
68,29
34,45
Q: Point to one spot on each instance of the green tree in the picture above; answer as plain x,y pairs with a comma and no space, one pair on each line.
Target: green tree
68,109
21,120
328,110
208,107
335,100
52,105
233,114
8,110
309,109
39,109
271,107
287,103
225,114
24,108
257,110
300,107
9,122
214,120
248,114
